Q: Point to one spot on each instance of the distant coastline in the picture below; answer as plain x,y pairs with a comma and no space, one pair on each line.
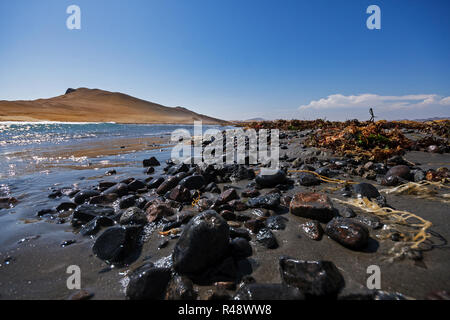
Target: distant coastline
85,105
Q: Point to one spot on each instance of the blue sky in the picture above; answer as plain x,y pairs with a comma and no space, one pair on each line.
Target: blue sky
236,59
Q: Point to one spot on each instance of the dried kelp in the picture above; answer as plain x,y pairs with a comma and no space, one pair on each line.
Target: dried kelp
416,231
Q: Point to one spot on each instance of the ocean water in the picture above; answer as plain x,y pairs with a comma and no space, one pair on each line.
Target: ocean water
36,158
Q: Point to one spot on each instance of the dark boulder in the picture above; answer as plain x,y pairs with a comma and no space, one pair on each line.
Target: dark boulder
93,226
276,222
167,185
126,202
316,206
82,196
348,233
65,206
133,215
401,171
180,194
308,179
267,238
194,182
181,288
203,243
312,229
182,167
120,189
136,185
366,190
155,183
227,195
87,212
313,278
270,180
152,162
115,244
148,282
268,201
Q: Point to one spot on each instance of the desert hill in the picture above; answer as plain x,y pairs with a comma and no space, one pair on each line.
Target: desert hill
94,105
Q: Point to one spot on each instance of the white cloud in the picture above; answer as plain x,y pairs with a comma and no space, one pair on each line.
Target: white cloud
385,103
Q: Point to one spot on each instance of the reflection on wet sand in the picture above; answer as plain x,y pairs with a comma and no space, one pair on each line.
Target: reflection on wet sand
80,156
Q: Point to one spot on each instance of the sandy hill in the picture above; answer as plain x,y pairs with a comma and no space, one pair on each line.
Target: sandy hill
94,105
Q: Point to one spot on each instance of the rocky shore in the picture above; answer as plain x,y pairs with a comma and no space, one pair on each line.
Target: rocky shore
311,230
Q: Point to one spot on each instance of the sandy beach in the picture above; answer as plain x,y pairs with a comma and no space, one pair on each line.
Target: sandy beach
34,262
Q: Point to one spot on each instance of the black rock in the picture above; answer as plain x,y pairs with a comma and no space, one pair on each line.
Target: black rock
126,201
313,278
82,196
254,225
267,238
390,181
133,215
400,171
66,206
308,179
366,190
181,175
115,244
313,230
167,185
155,183
311,205
212,187
203,243
120,189
152,162
55,194
240,248
149,170
268,201
181,288
110,172
348,233
182,167
240,233
276,222
180,194
44,212
87,212
148,282
227,195
93,226
268,291
136,185
271,180
194,182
